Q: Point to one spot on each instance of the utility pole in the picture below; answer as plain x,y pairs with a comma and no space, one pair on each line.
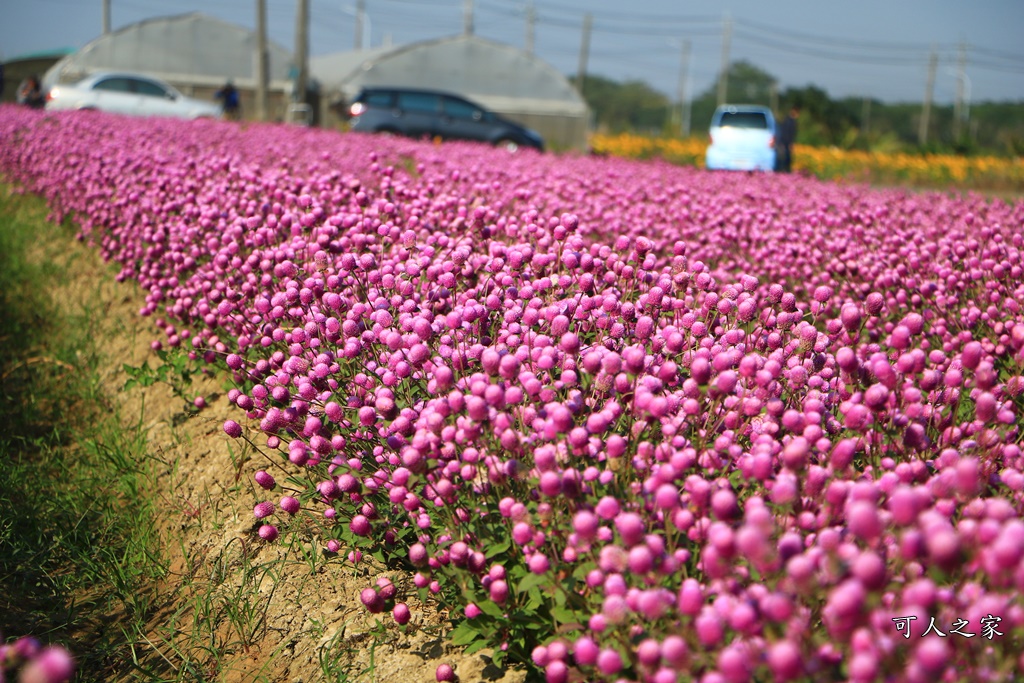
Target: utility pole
684,73
723,80
929,88
301,50
581,69
360,18
531,22
467,17
106,17
262,60
958,103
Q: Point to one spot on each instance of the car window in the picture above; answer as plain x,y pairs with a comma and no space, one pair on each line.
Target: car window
377,99
113,85
149,88
415,101
744,119
460,109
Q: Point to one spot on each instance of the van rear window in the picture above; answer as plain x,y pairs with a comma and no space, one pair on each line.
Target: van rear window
743,119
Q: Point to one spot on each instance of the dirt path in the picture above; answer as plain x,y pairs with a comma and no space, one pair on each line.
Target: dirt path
232,607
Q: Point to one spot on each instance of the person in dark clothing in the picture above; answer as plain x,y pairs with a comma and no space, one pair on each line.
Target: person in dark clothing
230,96
784,140
31,94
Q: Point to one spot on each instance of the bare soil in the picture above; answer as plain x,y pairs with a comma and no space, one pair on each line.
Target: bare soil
232,607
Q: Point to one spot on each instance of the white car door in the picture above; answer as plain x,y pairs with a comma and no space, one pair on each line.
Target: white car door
114,94
156,100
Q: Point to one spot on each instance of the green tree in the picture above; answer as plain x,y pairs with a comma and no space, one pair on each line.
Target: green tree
823,121
628,106
747,84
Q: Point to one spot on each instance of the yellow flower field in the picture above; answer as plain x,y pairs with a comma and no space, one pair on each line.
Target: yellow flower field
933,170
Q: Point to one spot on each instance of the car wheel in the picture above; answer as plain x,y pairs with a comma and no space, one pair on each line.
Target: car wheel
510,145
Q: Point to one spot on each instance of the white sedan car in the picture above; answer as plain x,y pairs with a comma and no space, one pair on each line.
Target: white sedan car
126,93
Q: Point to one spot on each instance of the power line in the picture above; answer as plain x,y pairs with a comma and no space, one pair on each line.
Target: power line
833,41
834,55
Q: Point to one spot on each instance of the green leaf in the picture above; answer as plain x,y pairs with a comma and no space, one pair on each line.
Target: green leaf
499,549
563,614
491,609
463,634
531,581
535,598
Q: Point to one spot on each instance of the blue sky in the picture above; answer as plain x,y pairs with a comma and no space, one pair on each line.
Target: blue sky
876,48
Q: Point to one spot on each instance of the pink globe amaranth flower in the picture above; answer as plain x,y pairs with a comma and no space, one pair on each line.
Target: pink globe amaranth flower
385,588
289,504
232,429
609,661
360,525
675,652
944,548
472,611
863,667
372,600
586,651
985,407
735,664
418,555
51,665
445,674
785,661
401,614
874,303
538,563
631,527
499,591
863,520
556,672
648,652
709,628
265,480
269,532
870,569
264,509
932,655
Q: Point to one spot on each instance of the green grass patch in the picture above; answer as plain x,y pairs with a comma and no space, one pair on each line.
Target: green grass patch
78,546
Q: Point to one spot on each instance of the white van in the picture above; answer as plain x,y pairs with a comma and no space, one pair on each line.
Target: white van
742,138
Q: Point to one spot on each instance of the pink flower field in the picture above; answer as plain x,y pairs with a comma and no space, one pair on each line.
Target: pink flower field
626,421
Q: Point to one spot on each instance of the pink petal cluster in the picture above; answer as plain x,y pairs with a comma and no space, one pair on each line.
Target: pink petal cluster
34,663
732,428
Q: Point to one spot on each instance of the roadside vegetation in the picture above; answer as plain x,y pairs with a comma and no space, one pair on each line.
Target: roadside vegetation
937,171
78,547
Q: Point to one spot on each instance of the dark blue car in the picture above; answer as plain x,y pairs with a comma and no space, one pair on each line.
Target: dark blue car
430,113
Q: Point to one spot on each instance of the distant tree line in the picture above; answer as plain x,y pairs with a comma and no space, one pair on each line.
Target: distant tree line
849,123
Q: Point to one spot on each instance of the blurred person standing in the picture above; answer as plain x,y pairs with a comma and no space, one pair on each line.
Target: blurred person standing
30,93
231,104
784,140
